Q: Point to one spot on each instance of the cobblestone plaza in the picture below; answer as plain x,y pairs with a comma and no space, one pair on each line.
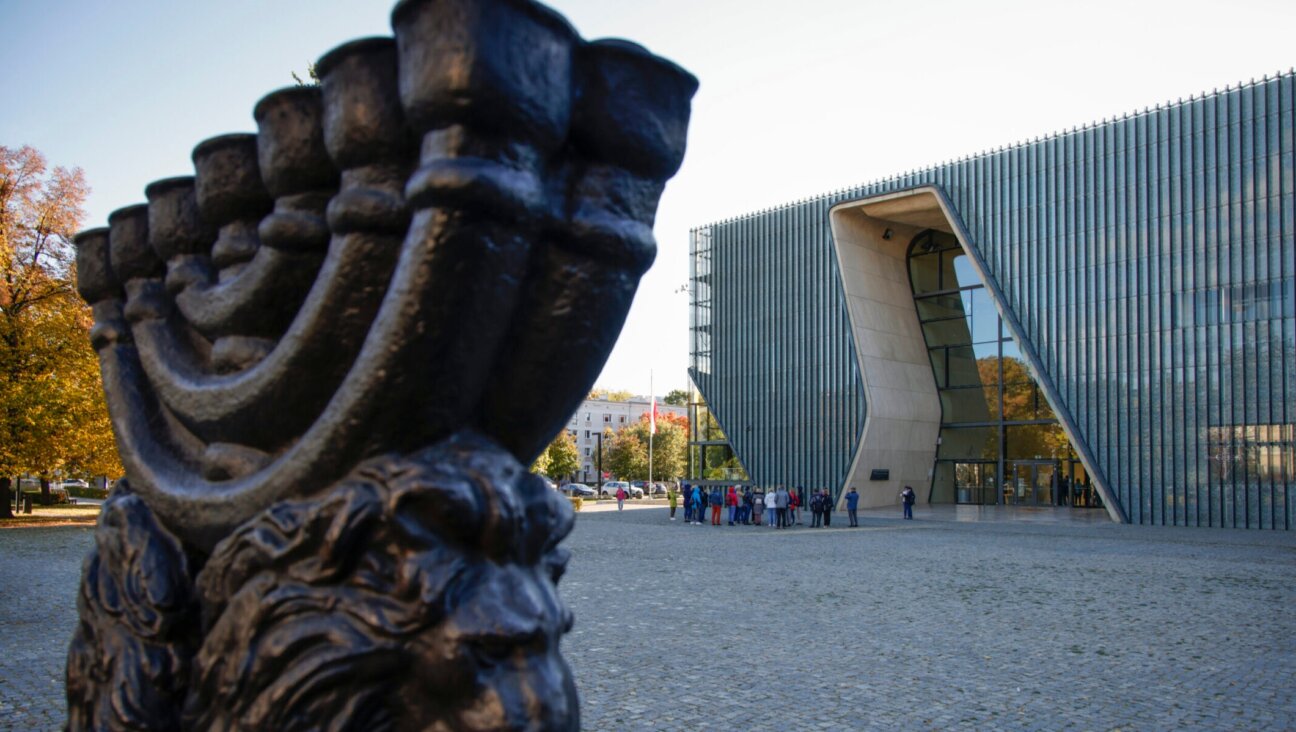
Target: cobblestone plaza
930,624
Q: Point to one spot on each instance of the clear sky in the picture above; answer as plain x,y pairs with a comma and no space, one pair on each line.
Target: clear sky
797,98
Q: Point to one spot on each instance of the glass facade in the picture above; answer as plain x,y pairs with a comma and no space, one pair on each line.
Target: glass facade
1144,266
770,350
1000,442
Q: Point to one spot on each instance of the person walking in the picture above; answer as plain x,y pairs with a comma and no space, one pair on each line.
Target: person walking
731,500
816,509
781,504
717,500
621,496
852,504
671,497
758,505
827,508
908,497
698,506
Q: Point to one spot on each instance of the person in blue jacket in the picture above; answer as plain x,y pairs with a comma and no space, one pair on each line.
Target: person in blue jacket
699,505
908,497
852,504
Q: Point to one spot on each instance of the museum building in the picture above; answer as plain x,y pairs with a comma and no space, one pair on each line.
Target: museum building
1102,318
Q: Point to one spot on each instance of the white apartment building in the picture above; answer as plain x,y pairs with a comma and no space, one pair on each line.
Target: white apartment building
596,415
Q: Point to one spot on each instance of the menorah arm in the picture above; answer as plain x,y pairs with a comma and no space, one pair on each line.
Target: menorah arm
260,301
425,336
322,341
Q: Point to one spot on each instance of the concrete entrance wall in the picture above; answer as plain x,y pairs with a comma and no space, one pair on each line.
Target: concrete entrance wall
903,417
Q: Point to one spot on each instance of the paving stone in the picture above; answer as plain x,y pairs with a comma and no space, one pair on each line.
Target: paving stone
896,625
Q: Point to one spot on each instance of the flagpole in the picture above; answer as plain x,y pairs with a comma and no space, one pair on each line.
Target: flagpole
652,427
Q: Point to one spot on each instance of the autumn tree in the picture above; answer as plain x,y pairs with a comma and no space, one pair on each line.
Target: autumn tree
626,452
619,395
677,397
560,458
51,396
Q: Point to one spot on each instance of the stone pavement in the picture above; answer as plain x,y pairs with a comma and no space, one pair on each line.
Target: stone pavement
898,625
40,569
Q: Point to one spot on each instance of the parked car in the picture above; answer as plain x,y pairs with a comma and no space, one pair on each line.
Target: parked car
659,489
610,489
76,484
578,490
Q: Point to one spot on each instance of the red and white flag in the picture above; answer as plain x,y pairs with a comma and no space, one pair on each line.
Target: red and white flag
652,417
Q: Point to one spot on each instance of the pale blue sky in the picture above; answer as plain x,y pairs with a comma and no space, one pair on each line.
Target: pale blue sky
797,98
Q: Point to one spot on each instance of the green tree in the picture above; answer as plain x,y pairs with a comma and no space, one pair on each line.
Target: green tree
51,395
730,469
560,458
626,452
677,397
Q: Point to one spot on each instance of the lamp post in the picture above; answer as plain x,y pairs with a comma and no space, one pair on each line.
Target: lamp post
598,465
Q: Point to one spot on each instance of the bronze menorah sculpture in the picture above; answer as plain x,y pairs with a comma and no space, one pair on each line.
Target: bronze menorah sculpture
329,357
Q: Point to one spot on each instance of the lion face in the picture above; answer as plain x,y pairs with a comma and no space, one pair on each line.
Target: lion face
494,663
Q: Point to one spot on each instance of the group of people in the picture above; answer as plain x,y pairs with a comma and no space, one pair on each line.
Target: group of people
778,508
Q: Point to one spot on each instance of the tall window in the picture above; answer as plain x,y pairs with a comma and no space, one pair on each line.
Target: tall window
1000,441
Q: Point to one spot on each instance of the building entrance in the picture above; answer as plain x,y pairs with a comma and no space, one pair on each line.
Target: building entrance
975,482
1031,483
1000,441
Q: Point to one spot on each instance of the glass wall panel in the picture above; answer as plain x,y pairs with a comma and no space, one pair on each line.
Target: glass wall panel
968,404
985,318
924,271
1035,442
969,443
952,332
992,409
939,307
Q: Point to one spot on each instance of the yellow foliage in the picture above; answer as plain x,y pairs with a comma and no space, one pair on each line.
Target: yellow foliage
52,410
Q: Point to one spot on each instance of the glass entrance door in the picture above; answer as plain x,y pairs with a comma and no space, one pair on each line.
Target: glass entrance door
1031,483
974,482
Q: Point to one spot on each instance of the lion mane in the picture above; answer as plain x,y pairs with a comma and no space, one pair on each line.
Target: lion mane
417,593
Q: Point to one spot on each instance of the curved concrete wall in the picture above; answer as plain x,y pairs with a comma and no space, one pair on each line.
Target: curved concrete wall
903,420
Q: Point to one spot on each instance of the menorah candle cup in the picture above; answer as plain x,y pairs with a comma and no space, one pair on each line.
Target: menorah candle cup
99,287
178,233
231,197
366,135
628,134
488,86
295,167
135,264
